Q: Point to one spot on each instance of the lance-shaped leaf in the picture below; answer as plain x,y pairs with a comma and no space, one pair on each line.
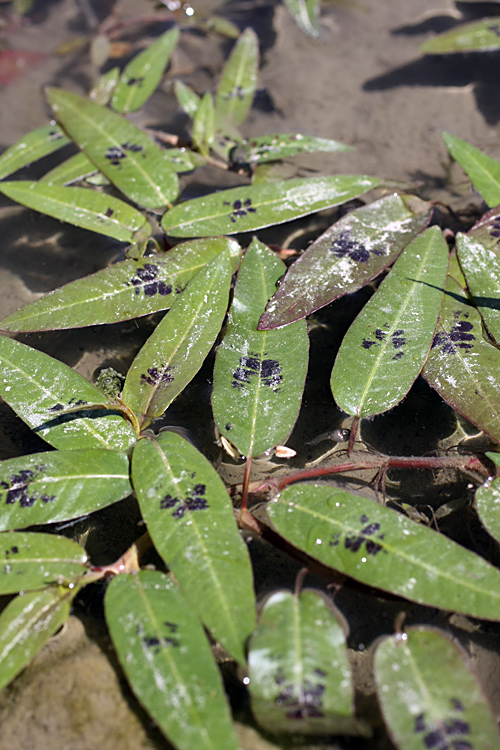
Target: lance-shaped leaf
487,230
27,623
122,291
487,501
74,169
462,367
59,485
386,346
126,155
259,375
266,148
78,206
481,268
164,652
188,100
482,170
204,125
427,707
36,144
306,15
346,257
238,82
39,387
300,677
32,561
103,89
384,549
182,160
175,351
244,209
190,519
478,36
143,73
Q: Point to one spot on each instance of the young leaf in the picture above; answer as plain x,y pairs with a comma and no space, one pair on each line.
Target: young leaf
244,209
486,500
481,268
125,290
165,654
306,15
190,519
384,549
462,367
300,677
266,148
204,125
182,160
102,91
143,74
27,623
259,375
187,98
478,36
346,257
126,155
74,169
384,349
59,485
79,206
482,170
40,142
32,561
238,82
175,351
425,707
39,387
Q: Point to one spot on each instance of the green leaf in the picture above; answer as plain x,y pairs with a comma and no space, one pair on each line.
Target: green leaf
182,160
59,485
238,82
486,500
190,519
300,677
187,98
478,36
102,92
306,15
36,144
267,148
175,351
79,206
244,209
385,348
425,706
384,549
164,653
32,561
462,367
125,290
143,73
259,375
485,231
204,125
74,169
482,170
26,624
346,257
126,155
481,268
39,387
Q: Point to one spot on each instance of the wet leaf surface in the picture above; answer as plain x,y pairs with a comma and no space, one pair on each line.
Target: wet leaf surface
238,82
478,36
481,268
487,501
36,144
266,148
203,131
306,15
71,170
482,170
187,98
487,230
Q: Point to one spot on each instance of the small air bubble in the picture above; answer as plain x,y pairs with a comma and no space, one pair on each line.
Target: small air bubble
319,541
363,559
246,680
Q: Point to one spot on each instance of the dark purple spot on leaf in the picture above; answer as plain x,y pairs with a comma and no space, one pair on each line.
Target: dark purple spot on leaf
155,376
269,371
346,247
109,213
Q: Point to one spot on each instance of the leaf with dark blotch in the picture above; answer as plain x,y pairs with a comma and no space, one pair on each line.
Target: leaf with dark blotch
300,677
487,230
481,268
306,15
167,659
175,351
346,257
478,36
190,518
60,485
244,209
74,169
122,291
238,82
259,375
482,170
126,155
387,344
427,707
143,73
384,549
30,560
36,144
39,387
266,148
462,366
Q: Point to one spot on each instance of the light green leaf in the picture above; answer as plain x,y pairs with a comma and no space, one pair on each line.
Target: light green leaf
187,98
428,707
238,82
259,375
74,169
244,209
143,73
79,206
182,160
384,549
481,268
39,387
267,148
482,170
190,518
306,15
478,36
36,144
164,653
485,231
102,92
385,348
123,153
59,485
204,125
175,351
486,501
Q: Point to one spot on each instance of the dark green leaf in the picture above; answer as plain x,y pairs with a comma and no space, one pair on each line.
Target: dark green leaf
204,125
478,36
40,142
266,148
73,169
189,516
482,170
238,82
306,15
481,268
